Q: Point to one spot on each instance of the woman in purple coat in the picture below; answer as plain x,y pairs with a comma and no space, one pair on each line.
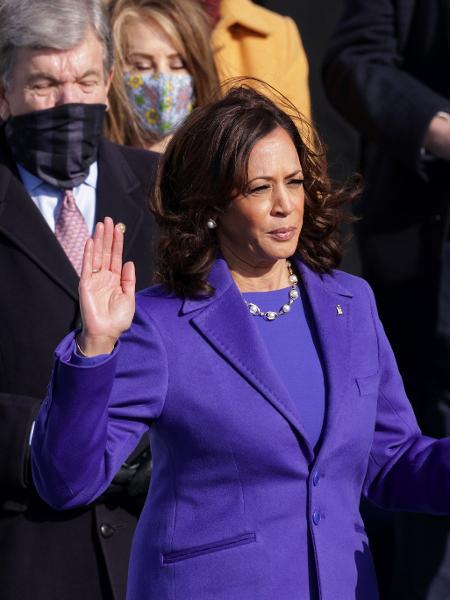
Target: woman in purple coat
263,375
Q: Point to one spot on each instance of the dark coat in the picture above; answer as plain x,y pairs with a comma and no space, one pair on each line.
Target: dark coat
387,72
45,554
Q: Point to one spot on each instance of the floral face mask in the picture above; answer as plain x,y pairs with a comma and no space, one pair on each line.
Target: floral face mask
162,101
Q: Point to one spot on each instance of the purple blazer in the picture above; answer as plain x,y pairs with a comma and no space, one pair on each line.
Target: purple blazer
236,487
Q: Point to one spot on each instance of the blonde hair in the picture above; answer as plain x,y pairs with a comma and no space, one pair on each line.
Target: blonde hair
188,27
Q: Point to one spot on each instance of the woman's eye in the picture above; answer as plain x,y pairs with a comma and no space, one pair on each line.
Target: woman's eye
296,182
258,189
142,66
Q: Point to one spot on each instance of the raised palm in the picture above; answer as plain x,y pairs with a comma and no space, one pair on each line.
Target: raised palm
106,289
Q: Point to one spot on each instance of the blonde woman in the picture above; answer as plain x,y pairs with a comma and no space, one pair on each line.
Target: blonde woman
165,68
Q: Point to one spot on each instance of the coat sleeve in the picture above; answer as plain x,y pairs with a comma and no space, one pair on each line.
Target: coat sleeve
407,470
366,81
294,75
95,413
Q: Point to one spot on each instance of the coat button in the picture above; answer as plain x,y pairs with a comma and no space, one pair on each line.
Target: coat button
316,517
316,478
106,530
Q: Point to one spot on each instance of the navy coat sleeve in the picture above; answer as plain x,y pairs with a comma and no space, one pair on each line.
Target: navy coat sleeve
366,81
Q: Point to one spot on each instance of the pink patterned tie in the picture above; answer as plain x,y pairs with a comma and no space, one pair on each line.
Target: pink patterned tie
71,230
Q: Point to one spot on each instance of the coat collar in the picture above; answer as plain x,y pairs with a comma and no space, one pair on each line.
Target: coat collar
245,14
23,224
224,321
331,305
116,189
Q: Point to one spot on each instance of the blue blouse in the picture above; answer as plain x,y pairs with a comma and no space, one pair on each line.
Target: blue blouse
292,342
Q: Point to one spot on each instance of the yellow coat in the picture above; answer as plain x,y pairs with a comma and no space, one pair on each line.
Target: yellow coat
253,41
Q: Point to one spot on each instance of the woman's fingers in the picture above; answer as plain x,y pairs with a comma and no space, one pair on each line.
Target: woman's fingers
128,279
108,235
98,247
107,246
117,248
88,255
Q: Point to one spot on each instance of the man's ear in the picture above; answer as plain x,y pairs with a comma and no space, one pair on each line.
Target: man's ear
4,105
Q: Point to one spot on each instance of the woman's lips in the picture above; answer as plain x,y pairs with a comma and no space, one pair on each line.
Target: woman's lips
283,234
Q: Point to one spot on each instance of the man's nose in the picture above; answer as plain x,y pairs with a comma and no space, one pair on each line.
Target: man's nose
68,93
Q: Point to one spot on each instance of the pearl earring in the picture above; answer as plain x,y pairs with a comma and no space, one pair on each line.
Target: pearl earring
211,224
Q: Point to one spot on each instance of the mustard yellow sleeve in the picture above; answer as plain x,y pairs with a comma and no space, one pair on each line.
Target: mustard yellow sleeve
294,81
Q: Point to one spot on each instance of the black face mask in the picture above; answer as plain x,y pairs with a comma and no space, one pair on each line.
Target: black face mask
59,144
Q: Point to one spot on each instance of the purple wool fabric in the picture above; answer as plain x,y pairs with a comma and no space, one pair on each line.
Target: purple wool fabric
236,487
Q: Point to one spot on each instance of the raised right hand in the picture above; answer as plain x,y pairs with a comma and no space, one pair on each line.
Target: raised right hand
106,290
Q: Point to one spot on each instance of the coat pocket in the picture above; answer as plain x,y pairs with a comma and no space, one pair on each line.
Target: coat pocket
179,555
368,384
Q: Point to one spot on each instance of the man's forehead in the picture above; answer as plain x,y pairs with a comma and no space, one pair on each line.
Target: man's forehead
87,54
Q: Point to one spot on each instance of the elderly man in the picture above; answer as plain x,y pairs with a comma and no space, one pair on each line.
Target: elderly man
57,177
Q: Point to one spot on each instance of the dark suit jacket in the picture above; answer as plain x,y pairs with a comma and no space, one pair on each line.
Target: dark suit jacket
387,72
46,554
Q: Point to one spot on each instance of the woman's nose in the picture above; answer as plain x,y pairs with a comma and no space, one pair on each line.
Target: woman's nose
282,199
161,65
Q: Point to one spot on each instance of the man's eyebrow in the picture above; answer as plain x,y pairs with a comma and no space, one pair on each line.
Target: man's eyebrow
33,77
40,75
89,73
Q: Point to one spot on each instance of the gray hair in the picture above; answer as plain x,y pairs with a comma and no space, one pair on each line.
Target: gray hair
55,24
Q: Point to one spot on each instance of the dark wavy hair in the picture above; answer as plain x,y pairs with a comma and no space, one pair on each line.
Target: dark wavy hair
205,166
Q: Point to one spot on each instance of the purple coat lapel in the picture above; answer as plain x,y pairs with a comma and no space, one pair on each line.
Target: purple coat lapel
225,322
331,307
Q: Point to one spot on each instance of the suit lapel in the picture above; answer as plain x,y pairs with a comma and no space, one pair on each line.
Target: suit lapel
23,224
331,307
116,188
225,322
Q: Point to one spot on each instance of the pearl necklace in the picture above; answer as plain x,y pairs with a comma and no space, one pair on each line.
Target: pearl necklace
271,315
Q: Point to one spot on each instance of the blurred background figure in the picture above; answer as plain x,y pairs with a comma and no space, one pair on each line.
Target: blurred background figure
387,72
164,68
249,40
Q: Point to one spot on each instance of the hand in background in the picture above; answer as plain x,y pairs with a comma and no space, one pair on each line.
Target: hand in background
106,290
437,137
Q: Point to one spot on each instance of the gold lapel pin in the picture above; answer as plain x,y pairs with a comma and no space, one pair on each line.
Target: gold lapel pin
339,310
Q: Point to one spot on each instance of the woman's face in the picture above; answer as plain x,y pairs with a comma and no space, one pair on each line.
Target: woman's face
263,225
148,49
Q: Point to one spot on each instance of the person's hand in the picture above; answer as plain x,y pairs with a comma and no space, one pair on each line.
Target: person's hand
437,137
106,290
